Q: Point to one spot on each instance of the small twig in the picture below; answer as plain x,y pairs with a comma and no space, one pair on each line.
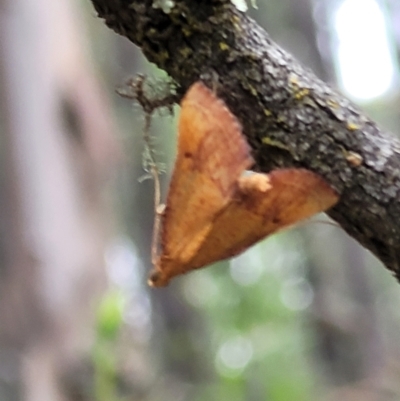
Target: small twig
155,174
136,92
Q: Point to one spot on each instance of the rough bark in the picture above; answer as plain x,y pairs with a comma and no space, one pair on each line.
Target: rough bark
290,117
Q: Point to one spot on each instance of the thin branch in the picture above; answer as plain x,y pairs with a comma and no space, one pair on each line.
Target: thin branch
134,90
290,117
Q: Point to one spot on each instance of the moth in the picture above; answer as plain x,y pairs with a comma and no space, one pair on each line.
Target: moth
215,209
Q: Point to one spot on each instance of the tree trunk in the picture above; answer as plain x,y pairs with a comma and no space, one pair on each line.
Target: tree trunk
56,152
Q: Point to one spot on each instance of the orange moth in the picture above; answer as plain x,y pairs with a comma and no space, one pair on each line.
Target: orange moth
214,209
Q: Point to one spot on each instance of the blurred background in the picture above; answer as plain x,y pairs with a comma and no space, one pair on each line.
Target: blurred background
305,315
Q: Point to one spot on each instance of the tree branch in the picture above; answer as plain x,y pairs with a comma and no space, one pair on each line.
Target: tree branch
289,116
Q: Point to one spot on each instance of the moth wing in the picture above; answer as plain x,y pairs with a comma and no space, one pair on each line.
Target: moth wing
263,205
212,154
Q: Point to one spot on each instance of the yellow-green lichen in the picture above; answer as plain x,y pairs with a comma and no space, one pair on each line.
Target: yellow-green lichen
187,31
301,93
237,24
298,92
352,126
253,90
332,103
186,52
274,143
223,46
281,119
163,56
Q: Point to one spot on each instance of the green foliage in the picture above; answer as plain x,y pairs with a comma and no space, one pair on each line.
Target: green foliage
104,355
255,320
110,315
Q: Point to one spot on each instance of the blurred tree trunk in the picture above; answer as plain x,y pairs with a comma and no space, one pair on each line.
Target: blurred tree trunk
56,153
